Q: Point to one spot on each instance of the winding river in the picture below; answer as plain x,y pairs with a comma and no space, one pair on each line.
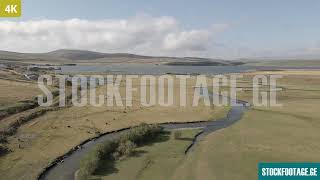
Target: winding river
65,167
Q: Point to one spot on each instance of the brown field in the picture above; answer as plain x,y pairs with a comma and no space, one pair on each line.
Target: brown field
265,134
14,91
39,141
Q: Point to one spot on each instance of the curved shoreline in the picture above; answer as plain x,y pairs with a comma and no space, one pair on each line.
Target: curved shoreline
234,114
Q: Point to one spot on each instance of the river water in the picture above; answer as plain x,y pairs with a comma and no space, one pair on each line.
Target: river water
164,69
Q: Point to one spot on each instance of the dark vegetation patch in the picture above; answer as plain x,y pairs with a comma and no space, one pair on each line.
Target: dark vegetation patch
105,154
22,120
13,127
22,106
16,108
3,149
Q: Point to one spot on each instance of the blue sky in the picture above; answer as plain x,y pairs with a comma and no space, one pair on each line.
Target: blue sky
253,28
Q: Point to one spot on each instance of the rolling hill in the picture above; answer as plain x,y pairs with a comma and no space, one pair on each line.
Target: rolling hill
63,56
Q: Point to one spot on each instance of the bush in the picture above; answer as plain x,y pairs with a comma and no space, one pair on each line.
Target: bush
126,148
115,149
115,155
106,148
142,133
88,165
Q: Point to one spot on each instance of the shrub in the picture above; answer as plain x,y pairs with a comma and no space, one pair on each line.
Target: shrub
115,149
90,162
142,133
106,148
88,165
126,148
115,155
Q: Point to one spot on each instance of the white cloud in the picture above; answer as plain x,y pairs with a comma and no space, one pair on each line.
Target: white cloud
141,34
195,40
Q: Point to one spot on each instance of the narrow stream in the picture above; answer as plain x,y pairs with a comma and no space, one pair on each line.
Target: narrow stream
65,167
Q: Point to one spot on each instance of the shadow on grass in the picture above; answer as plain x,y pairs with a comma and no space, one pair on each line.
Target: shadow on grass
162,137
137,153
185,139
3,150
107,166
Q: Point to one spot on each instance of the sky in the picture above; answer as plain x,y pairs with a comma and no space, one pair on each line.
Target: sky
228,29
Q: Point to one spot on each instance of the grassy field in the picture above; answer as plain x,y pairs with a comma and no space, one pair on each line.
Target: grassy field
157,160
270,134
12,92
265,134
288,133
39,141
285,63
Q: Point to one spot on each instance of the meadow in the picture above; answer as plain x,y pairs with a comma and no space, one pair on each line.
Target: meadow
284,63
40,140
265,134
159,159
287,133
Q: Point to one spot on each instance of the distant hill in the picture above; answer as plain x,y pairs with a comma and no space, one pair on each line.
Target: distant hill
84,57
88,55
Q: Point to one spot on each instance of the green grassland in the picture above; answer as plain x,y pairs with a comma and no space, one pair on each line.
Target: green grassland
285,63
36,143
287,133
158,160
265,134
